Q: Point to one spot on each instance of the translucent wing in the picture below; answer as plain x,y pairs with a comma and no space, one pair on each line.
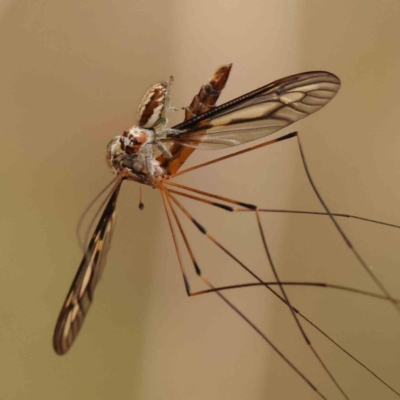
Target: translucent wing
80,295
260,112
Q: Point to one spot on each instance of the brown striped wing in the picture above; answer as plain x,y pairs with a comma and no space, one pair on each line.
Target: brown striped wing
80,295
259,113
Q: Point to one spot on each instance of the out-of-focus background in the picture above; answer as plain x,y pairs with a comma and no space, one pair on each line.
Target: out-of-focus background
72,75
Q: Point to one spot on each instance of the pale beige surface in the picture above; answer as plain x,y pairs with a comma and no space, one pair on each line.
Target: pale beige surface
72,74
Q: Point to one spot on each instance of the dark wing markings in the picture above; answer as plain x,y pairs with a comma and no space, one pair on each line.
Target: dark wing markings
259,113
80,295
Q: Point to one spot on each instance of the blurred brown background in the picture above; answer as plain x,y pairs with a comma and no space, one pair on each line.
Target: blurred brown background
73,73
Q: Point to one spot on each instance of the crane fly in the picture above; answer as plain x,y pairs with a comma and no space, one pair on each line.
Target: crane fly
132,156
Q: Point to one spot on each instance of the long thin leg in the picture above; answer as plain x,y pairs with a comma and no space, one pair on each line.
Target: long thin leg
315,284
185,280
280,139
349,244
230,304
341,215
251,208
307,340
231,209
286,297
214,196
301,283
366,267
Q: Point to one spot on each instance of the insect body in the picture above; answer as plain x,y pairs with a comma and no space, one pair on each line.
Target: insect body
249,117
132,156
134,149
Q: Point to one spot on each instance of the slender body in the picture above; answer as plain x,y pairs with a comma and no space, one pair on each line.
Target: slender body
133,156
249,117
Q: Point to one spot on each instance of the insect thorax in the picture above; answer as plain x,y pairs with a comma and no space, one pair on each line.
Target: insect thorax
134,150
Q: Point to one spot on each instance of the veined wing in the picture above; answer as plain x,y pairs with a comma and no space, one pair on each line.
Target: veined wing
80,295
258,113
